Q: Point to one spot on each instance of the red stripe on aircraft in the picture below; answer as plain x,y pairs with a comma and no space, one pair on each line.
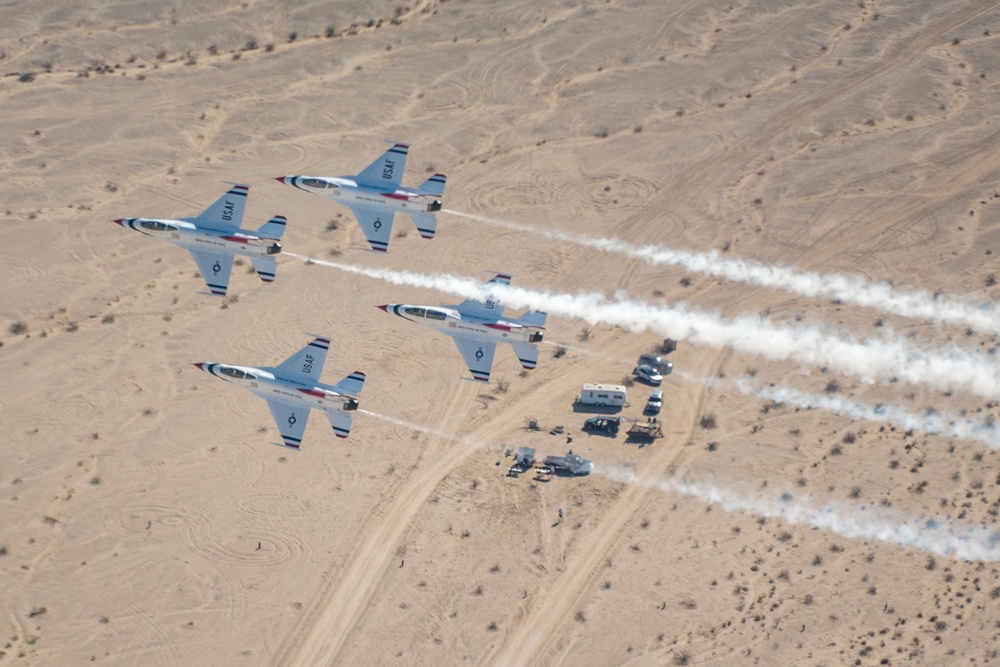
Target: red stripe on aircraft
314,392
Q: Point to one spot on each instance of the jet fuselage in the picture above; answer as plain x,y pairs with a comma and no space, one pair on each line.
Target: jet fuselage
264,383
346,190
190,236
451,321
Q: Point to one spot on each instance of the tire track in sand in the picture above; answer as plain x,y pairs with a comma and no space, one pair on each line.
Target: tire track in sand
344,600
344,596
535,627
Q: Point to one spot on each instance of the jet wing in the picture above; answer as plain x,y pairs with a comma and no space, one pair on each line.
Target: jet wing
228,210
215,269
376,225
478,356
291,422
387,171
307,363
490,308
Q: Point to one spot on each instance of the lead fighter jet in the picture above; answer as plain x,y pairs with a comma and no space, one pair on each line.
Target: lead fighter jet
215,236
375,196
477,327
292,388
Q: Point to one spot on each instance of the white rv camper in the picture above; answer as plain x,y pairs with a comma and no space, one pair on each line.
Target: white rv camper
603,394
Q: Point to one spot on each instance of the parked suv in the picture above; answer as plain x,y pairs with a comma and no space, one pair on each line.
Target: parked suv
648,374
657,363
655,402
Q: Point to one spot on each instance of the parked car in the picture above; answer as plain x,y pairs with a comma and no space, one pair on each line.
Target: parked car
648,374
657,363
603,424
655,402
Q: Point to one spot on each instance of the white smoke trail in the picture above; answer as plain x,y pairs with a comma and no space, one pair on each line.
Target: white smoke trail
848,289
986,431
414,427
868,360
939,537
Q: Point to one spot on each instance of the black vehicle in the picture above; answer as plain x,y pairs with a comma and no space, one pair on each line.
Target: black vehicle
603,424
657,363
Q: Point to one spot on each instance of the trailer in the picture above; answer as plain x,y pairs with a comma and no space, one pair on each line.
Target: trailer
569,464
602,395
648,430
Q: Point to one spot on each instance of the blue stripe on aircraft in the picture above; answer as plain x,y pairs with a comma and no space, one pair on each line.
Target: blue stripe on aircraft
322,346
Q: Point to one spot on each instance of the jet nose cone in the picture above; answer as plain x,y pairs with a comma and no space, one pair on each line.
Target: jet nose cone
385,308
119,221
282,179
200,365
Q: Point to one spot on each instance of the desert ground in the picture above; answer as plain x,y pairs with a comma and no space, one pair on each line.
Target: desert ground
147,518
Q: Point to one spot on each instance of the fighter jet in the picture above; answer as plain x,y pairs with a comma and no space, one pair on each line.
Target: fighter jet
375,195
215,236
292,388
477,326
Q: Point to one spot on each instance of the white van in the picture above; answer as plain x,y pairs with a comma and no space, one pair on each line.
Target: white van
603,394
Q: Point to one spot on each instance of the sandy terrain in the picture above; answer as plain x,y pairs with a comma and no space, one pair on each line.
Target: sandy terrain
842,138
